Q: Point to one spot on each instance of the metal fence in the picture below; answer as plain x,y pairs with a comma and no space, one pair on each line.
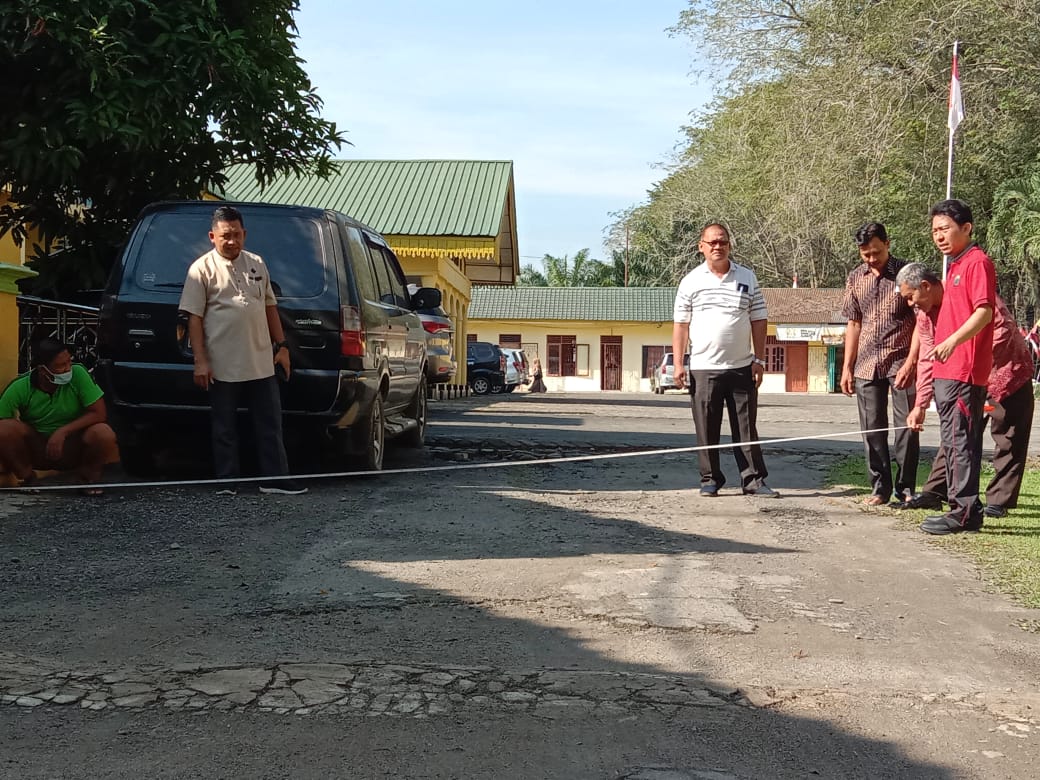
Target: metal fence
69,323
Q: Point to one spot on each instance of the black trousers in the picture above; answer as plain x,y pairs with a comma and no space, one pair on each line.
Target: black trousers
872,401
731,389
261,397
1010,423
960,431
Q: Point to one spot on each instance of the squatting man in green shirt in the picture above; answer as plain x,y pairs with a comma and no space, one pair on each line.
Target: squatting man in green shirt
54,417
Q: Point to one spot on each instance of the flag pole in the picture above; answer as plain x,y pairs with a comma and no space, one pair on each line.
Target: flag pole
955,111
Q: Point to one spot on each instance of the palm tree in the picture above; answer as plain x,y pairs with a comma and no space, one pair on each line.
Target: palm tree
1014,237
579,272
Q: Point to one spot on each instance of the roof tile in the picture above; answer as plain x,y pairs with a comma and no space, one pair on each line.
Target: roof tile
638,304
396,197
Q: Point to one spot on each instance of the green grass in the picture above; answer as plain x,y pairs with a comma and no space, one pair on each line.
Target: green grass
1007,551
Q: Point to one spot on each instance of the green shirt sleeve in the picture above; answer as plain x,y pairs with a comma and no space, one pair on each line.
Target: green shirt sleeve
12,399
83,383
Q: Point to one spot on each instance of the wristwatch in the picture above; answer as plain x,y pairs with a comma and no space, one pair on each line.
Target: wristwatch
279,345
759,361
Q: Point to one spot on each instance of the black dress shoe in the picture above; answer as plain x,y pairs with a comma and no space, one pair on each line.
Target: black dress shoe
920,501
994,510
941,525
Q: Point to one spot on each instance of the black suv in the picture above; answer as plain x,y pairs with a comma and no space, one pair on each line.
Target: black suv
358,348
485,367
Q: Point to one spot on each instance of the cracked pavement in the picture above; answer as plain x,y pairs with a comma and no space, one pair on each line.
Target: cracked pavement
592,619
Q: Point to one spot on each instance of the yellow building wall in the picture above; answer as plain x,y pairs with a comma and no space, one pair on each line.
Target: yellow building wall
445,275
634,336
12,268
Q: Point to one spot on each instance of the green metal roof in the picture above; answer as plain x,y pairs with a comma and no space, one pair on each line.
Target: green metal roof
637,304
614,304
396,197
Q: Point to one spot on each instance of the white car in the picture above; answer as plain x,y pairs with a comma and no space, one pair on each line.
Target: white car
663,377
517,369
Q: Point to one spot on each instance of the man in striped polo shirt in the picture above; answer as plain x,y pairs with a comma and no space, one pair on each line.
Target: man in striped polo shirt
721,315
877,344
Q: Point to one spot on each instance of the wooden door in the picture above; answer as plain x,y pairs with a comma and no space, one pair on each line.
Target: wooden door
610,362
797,375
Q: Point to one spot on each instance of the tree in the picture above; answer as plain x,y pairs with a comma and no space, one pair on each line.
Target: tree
112,104
830,113
1013,240
581,271
531,277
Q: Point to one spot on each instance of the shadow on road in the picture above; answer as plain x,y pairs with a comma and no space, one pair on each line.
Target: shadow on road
161,576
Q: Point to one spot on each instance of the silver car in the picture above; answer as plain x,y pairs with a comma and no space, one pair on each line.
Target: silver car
440,345
518,369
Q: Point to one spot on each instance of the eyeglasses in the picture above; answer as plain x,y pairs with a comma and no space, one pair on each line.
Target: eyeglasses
713,244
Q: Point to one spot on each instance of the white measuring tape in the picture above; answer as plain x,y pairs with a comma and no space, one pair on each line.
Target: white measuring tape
431,469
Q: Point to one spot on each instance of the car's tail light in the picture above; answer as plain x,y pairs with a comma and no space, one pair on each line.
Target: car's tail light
502,363
351,333
435,327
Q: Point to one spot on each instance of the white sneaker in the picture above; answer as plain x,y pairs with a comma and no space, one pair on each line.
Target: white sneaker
762,491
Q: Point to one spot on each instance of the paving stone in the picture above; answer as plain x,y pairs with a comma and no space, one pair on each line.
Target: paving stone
319,691
241,697
410,702
115,677
97,706
381,702
282,698
66,698
495,687
438,678
137,699
175,704
517,696
337,672
225,681
24,689
465,685
47,695
120,690
28,701
97,696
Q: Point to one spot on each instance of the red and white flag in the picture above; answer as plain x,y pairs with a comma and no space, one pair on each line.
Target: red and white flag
956,115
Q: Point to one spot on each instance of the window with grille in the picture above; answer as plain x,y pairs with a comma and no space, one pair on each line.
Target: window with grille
561,355
776,356
509,340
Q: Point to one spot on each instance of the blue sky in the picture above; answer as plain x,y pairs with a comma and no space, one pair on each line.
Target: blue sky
586,98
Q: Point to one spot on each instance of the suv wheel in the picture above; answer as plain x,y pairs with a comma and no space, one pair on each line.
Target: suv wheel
373,433
481,385
417,410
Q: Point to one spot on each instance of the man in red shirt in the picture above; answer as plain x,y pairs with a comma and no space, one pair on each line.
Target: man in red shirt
1009,388
961,362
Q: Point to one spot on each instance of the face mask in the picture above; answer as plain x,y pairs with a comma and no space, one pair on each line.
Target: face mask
59,379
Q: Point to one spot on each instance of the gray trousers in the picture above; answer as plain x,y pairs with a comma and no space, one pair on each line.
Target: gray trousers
960,431
731,389
872,401
1010,424
261,397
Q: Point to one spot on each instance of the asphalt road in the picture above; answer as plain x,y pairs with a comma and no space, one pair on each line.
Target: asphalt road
574,620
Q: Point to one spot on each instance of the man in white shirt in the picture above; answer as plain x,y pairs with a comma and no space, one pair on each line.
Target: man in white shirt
724,304
237,339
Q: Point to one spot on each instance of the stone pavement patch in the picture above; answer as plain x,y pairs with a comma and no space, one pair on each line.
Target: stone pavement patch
359,688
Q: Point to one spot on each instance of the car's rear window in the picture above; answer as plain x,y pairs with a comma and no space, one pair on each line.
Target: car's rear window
292,246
